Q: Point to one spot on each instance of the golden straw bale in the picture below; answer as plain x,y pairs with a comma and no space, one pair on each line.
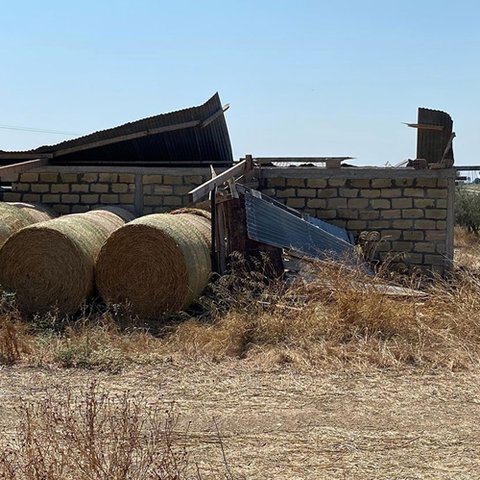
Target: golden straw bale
158,263
50,265
16,215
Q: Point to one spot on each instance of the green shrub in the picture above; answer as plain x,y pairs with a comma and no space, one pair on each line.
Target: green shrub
467,208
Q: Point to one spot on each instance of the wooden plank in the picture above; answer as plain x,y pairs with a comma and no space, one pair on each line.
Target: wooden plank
22,166
24,156
203,190
123,138
266,160
214,116
425,126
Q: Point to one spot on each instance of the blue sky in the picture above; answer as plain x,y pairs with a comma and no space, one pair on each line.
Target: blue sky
302,77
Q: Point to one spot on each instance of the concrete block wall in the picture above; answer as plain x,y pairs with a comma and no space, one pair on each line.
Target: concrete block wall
412,209
78,189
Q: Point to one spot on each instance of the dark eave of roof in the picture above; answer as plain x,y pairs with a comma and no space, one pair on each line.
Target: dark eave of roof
191,137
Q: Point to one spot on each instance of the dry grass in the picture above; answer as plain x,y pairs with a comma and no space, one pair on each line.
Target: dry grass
98,435
339,319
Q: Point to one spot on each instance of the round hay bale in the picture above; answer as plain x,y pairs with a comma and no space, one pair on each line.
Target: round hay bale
15,216
50,265
157,264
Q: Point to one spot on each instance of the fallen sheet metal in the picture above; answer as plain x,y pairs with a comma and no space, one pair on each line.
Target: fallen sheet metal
274,224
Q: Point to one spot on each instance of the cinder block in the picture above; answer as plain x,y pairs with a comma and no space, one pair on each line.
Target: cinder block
402,246
390,214
425,224
51,198
147,179
391,234
403,182
90,177
337,203
436,214
158,189
108,177
369,214
29,177
276,182
380,224
306,192
434,260
326,214
413,213
414,258
99,187
60,188
62,208
414,235
336,182
402,224
348,192
271,192
424,202
359,183
441,203
437,193
21,187
193,179
402,203
79,187
384,246
70,198
40,187
347,213
370,193
316,203
414,192
426,182
339,222
109,198
442,183
181,189
327,192
172,201
435,235
119,188
441,225
89,198
49,177
10,177
382,203
381,183
80,208
17,197
424,247
27,197
126,177
126,197
287,193
172,180
69,177
357,225
390,192
296,202
316,183
359,203
296,182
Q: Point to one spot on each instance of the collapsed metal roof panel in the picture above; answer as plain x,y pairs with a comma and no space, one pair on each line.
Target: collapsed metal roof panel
191,137
270,224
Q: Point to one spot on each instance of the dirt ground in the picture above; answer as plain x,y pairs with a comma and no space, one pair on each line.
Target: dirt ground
284,424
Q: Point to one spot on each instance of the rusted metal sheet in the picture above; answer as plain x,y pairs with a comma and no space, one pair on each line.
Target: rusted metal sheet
434,136
196,136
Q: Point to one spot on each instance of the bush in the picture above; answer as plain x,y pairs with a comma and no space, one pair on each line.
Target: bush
467,209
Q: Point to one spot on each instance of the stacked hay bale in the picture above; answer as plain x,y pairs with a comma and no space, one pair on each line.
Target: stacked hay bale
157,263
14,216
50,265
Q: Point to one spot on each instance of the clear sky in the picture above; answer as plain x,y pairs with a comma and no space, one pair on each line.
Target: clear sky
304,78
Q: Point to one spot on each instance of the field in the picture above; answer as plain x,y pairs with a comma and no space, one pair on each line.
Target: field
330,379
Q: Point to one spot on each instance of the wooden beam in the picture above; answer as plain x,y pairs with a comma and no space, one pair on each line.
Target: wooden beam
214,116
123,138
24,156
22,166
266,160
203,190
425,126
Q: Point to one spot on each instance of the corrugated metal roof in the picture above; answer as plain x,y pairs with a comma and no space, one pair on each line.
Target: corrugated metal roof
270,224
190,137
